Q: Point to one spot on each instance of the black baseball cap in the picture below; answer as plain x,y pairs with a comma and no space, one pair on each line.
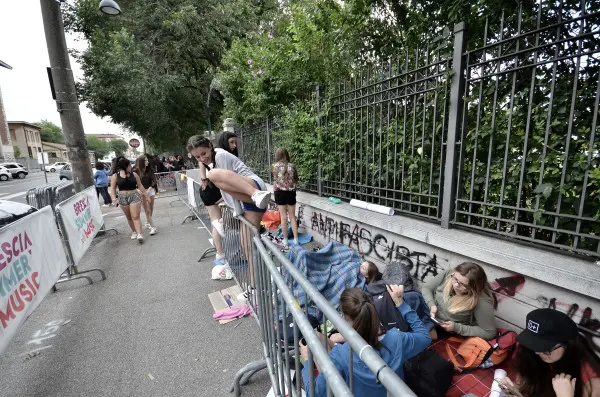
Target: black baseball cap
545,328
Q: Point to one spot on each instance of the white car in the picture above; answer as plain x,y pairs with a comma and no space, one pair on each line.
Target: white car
55,167
16,169
4,174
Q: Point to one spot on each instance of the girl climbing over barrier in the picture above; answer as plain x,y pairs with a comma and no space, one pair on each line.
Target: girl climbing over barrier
394,346
370,271
237,182
285,179
553,359
460,301
130,195
146,173
211,194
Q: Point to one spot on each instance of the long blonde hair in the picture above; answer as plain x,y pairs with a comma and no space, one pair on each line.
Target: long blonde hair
478,285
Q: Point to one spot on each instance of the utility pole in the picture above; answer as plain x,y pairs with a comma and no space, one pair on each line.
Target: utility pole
66,97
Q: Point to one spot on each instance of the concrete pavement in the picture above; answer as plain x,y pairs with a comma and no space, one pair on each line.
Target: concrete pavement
145,331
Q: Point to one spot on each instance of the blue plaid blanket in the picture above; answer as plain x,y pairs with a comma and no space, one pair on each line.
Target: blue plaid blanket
330,270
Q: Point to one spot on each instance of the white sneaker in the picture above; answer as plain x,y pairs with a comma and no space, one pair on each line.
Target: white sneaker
140,238
219,227
261,198
285,242
152,231
134,235
296,241
105,205
148,226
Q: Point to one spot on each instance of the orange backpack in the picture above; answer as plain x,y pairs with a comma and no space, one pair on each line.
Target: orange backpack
476,352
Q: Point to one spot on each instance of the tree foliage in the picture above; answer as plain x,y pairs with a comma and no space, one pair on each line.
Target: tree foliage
50,132
98,146
118,146
151,68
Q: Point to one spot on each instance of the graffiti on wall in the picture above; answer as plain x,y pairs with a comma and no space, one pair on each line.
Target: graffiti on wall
506,287
421,265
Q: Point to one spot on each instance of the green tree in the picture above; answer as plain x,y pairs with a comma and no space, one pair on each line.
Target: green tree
98,146
50,132
17,151
118,146
151,71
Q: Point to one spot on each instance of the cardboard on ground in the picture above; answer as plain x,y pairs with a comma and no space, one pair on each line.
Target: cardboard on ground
226,299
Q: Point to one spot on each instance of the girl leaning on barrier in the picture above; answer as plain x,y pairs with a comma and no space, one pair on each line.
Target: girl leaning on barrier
460,301
236,182
553,359
394,346
130,195
146,174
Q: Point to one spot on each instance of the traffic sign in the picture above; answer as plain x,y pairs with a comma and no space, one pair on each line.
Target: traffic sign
134,143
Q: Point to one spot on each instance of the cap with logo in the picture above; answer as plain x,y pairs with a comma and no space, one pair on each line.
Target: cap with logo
545,329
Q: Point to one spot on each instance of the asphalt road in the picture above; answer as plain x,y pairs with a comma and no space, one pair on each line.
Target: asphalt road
15,189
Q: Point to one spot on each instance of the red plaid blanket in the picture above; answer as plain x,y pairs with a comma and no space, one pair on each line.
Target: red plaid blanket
477,382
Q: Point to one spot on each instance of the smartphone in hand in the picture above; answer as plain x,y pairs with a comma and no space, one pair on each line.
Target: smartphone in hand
435,320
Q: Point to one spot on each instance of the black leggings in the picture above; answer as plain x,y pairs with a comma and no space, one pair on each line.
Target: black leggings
104,192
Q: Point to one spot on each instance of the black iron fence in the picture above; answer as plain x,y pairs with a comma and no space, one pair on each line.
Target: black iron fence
494,133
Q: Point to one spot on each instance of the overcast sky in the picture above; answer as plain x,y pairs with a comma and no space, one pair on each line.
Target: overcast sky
25,88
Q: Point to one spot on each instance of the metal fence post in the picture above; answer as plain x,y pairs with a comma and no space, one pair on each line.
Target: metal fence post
454,125
269,162
320,158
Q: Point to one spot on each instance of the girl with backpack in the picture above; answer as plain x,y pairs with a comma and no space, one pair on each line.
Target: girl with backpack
285,179
460,301
553,359
395,347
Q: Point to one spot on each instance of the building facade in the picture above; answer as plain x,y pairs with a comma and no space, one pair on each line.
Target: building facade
26,137
6,145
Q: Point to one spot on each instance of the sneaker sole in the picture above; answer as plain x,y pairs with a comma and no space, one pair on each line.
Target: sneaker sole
264,202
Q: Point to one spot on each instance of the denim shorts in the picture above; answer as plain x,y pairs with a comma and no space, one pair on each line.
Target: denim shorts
128,198
250,206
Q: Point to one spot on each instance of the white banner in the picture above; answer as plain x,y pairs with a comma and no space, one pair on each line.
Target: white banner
190,192
32,259
82,220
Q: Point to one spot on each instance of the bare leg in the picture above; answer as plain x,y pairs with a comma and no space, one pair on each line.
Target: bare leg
214,212
148,211
151,199
433,334
128,216
240,187
135,210
283,215
291,210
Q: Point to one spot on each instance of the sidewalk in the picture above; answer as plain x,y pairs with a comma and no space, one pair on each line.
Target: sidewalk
145,331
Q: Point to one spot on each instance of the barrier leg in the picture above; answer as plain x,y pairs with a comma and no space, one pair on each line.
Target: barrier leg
189,217
94,270
103,230
243,375
207,252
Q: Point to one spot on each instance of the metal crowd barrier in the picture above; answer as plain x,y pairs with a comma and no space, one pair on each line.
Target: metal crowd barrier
199,212
257,263
167,187
50,194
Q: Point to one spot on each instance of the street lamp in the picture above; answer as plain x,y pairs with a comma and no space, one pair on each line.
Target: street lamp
109,7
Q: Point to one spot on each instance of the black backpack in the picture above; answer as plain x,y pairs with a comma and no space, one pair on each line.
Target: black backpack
389,316
428,374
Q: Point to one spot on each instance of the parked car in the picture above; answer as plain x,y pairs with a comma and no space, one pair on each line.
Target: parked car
4,174
66,173
11,211
17,170
55,167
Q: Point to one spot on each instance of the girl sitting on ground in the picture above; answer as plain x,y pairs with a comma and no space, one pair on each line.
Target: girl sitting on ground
462,301
285,179
370,271
395,347
553,359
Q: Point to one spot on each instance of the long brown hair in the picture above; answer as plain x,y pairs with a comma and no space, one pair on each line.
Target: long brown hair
535,375
373,274
197,141
142,169
282,155
478,285
357,307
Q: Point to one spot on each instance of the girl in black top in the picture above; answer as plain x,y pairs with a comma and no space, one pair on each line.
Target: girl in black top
146,174
131,191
